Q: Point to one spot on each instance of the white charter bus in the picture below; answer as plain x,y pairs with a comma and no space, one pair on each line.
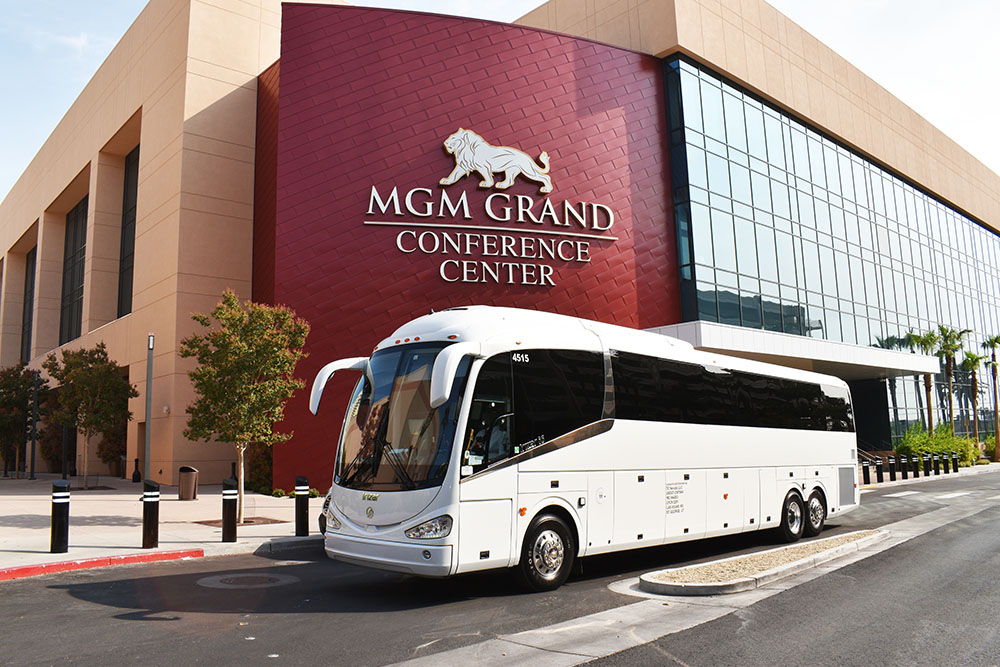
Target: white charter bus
486,437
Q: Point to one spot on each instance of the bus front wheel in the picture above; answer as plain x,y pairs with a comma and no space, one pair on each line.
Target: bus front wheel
792,517
547,554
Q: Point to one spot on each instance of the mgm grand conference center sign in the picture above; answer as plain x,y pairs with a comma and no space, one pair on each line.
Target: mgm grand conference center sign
533,235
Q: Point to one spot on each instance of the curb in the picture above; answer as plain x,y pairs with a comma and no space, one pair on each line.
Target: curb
649,584
285,544
24,571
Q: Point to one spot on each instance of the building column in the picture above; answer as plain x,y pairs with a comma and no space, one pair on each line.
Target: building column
104,226
11,307
48,286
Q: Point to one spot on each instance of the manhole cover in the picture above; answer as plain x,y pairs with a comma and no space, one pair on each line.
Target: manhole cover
238,580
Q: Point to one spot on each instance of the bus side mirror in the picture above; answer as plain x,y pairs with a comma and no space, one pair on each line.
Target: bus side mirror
445,367
325,373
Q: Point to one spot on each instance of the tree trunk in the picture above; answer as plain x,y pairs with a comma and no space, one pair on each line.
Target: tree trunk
86,443
930,409
240,450
951,396
975,408
996,411
17,463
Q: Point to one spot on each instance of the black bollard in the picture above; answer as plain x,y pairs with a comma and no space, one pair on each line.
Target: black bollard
892,468
230,496
878,470
903,461
937,464
927,465
301,507
136,475
945,463
915,460
150,515
954,461
865,472
59,543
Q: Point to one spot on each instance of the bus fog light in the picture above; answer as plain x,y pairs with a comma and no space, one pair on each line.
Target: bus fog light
427,554
428,530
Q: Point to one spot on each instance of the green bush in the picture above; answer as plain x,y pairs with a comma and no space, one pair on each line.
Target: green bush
279,493
991,446
916,442
313,493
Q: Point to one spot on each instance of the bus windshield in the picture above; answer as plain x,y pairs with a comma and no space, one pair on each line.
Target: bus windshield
392,439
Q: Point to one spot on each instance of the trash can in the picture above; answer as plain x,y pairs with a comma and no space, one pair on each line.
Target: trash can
187,488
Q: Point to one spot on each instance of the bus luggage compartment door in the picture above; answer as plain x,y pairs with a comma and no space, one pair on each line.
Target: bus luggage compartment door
484,534
639,507
600,511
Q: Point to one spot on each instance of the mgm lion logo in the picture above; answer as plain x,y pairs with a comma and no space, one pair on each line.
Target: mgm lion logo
473,153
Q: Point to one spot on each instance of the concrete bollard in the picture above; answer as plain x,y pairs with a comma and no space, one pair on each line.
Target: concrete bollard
903,461
230,496
301,507
59,542
150,515
878,471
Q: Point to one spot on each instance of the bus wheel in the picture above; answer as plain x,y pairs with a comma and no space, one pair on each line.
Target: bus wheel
547,554
792,517
815,514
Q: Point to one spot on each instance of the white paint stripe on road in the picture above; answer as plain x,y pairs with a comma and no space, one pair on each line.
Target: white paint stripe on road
993,498
901,494
957,494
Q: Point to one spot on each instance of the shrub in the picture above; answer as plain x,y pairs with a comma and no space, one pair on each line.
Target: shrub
991,445
313,493
916,442
279,493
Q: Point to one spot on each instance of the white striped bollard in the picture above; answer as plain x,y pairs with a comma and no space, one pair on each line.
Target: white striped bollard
230,496
150,515
59,543
301,507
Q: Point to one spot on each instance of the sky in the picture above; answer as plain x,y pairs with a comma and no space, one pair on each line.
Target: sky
943,64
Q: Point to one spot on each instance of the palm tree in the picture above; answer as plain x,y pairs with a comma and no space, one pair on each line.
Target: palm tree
927,344
970,364
950,342
991,344
891,343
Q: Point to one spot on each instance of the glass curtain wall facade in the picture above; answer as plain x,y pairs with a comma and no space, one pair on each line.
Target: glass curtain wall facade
780,228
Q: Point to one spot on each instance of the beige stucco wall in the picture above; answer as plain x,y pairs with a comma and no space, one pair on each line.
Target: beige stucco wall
182,84
754,44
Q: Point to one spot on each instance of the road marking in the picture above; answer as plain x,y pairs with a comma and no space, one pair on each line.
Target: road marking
867,490
952,495
993,498
901,494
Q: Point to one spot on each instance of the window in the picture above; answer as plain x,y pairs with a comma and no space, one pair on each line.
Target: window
526,398
74,250
27,315
126,261
653,389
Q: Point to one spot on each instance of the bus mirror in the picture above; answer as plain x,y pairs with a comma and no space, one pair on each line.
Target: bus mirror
325,373
445,367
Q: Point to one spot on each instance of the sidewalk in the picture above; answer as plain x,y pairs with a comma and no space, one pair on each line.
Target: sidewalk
107,524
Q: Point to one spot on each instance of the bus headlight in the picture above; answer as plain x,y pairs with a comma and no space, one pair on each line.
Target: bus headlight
428,530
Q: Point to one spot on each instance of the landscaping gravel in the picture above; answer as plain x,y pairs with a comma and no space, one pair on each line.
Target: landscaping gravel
753,564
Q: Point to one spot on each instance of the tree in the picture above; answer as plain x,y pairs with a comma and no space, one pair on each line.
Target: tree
245,375
949,343
970,364
991,344
94,394
927,343
16,391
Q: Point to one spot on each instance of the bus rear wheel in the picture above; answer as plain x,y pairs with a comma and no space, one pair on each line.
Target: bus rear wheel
815,514
547,554
792,517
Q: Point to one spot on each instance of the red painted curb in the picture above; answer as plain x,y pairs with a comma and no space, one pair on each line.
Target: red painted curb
23,571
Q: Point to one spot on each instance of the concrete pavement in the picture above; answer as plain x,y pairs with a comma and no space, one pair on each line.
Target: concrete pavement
106,525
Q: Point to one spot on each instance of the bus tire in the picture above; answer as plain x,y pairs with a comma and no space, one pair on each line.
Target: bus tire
792,517
547,554
815,517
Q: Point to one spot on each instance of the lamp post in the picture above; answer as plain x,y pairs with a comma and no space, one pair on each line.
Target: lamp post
149,401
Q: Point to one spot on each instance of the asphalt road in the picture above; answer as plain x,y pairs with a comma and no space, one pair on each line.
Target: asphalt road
932,600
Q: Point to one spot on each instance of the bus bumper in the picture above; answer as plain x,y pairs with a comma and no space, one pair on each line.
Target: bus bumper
419,559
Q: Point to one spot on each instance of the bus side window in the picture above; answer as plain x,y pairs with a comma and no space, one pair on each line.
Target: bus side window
555,392
490,417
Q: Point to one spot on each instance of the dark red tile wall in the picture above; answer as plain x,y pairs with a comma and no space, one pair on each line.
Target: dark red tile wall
367,97
265,185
